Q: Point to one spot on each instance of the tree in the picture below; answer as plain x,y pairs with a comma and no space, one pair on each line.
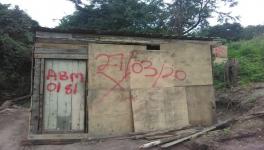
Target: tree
118,15
16,41
250,32
230,32
187,15
179,17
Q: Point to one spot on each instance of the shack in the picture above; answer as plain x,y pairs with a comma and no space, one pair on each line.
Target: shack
99,84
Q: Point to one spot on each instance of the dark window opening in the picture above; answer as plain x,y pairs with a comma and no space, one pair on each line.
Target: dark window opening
153,47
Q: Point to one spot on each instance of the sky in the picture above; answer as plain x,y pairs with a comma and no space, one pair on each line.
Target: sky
49,12
46,12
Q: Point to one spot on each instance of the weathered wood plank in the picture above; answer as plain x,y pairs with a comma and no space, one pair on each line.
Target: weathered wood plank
159,108
61,56
42,76
58,136
86,102
34,117
132,40
192,136
41,94
60,51
64,95
73,136
50,101
99,41
78,98
48,35
60,46
201,105
97,38
60,41
64,99
112,38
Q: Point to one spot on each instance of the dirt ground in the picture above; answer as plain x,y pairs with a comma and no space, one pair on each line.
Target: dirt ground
242,135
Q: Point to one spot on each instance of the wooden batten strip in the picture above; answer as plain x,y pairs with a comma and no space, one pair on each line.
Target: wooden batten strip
60,51
34,120
62,56
41,94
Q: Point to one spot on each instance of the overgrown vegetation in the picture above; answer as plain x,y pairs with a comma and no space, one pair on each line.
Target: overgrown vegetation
218,75
16,41
250,54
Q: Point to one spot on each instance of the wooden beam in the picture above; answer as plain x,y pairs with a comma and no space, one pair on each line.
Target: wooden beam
217,126
34,117
60,51
41,94
62,56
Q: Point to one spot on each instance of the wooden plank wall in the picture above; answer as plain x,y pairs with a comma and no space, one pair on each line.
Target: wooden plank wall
157,80
64,95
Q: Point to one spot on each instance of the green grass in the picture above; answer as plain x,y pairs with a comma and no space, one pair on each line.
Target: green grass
250,54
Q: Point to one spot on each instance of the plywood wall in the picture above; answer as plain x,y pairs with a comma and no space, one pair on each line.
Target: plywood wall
201,104
132,89
159,108
109,101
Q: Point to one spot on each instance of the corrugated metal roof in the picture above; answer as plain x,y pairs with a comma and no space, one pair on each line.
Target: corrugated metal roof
129,34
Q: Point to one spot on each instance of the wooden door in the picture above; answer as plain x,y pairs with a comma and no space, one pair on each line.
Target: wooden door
64,95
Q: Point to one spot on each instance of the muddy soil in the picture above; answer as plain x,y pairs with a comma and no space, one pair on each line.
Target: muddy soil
13,128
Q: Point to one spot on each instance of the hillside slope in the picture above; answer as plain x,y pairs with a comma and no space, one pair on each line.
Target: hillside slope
250,54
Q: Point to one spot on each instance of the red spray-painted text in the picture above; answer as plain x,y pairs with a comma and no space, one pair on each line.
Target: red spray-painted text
54,80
